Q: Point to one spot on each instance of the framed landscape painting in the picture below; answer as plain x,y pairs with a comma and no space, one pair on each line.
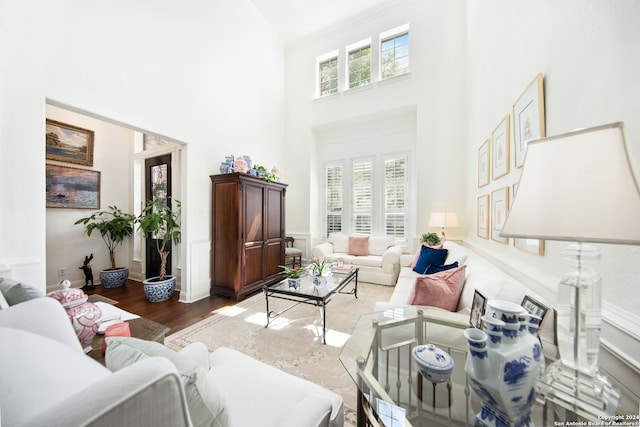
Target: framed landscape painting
72,188
68,143
528,118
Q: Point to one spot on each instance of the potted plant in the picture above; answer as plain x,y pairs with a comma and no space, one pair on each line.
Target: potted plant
160,221
114,226
294,275
430,239
320,270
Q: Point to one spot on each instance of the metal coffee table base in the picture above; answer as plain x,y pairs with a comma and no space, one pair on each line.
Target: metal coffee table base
310,294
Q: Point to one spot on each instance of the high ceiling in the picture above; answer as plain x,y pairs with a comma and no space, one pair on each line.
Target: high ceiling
293,19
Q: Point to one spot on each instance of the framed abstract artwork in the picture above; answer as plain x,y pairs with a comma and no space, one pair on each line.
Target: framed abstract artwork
483,216
499,210
72,188
528,118
483,164
500,149
68,143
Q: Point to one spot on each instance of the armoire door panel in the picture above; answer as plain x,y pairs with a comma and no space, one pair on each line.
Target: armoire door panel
253,213
274,219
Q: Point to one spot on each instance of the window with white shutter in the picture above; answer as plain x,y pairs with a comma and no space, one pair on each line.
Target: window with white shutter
395,182
362,197
333,198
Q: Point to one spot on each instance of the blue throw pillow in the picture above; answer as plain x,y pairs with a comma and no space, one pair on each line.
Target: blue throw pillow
438,268
429,256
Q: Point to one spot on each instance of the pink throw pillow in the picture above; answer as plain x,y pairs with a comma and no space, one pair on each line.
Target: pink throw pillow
358,245
415,258
439,289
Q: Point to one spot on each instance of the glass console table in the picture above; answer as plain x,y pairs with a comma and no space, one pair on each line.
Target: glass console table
393,393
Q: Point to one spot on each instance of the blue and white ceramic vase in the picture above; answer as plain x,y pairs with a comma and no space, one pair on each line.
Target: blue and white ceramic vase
321,280
503,364
294,282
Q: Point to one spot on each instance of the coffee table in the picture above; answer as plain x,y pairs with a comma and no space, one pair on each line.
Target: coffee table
308,293
140,327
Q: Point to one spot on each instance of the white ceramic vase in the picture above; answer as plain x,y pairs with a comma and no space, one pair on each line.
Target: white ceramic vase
503,364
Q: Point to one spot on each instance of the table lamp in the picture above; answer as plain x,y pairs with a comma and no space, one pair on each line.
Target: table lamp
443,220
578,187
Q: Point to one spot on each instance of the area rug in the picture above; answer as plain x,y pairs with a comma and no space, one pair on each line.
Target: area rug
293,341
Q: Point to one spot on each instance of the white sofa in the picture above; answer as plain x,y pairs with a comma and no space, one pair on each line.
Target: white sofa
381,264
480,274
46,379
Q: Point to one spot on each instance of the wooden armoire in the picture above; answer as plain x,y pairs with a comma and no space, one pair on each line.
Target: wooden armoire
247,241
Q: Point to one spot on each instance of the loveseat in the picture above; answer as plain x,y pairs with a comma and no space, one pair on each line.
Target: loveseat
478,274
46,379
377,257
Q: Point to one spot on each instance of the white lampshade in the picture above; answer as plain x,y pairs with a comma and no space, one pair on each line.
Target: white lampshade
443,219
579,187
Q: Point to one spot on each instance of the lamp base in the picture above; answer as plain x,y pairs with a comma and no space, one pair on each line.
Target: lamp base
588,395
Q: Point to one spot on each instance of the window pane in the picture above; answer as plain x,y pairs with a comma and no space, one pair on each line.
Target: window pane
359,67
333,202
394,188
362,197
394,56
329,77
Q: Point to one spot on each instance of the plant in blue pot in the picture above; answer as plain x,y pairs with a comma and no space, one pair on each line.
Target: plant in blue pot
320,270
294,275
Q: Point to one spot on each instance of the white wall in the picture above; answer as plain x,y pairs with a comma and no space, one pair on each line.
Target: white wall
432,96
206,73
588,53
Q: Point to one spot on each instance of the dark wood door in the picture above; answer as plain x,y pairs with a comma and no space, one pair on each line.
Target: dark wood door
157,187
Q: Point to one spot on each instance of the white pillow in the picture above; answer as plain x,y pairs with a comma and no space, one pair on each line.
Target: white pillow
378,245
205,401
3,302
340,242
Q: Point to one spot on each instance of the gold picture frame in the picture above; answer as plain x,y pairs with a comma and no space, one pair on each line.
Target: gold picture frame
484,161
483,217
500,159
68,143
528,118
499,211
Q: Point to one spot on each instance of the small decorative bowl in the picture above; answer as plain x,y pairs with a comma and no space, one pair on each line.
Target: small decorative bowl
434,363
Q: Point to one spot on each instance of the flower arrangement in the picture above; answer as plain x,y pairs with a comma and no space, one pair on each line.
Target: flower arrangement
319,266
293,273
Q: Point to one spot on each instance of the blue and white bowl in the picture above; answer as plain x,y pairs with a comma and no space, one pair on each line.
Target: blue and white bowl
159,291
434,363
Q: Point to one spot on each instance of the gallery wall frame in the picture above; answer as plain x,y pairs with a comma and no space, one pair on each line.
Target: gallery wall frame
72,188
528,118
500,140
68,143
484,162
483,216
499,210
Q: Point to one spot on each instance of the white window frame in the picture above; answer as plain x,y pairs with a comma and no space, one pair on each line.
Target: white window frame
352,48
378,208
334,54
388,35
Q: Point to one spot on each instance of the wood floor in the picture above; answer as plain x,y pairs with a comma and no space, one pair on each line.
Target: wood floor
176,315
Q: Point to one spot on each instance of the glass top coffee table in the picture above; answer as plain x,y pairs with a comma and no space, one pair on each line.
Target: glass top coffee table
308,293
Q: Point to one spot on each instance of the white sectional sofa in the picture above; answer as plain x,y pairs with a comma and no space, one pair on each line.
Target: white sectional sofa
47,380
380,264
480,274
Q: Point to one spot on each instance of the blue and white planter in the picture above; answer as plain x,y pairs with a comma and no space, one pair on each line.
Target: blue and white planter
503,372
157,291
114,277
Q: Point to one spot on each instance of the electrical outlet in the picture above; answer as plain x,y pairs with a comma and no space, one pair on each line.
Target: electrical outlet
61,271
